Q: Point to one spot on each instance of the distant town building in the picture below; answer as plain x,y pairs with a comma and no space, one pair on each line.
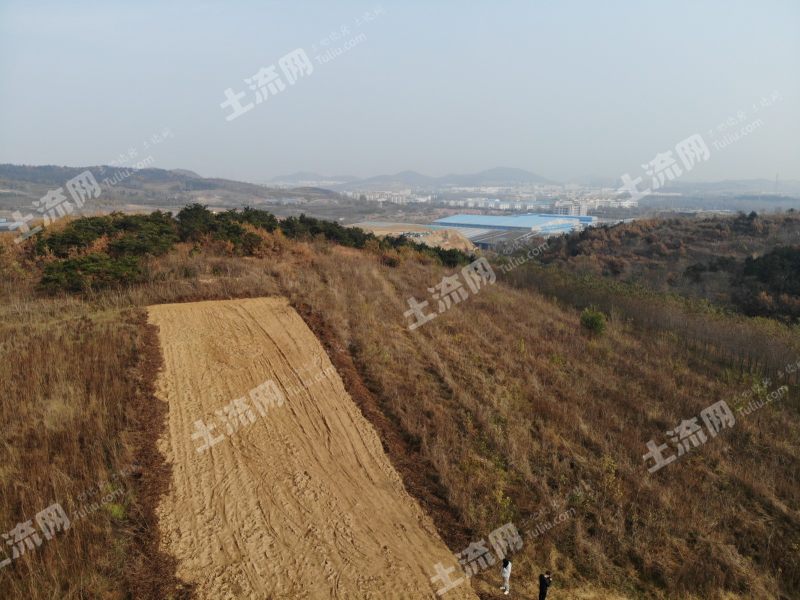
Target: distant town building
486,231
570,207
6,225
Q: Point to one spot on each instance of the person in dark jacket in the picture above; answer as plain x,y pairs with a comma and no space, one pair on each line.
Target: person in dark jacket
544,584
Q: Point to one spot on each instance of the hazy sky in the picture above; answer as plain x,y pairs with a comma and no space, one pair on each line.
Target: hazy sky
564,89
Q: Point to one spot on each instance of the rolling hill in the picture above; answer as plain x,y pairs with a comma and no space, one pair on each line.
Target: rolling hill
127,188
499,176
504,409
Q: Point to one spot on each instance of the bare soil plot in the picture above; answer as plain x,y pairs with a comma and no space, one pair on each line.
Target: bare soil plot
301,502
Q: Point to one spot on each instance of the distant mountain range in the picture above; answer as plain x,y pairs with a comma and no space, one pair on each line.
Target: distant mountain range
306,177
21,184
506,176
498,176
735,186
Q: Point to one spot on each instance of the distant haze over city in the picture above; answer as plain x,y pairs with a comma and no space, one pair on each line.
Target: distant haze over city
575,91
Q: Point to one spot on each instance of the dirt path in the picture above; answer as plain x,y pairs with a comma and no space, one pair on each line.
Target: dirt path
297,502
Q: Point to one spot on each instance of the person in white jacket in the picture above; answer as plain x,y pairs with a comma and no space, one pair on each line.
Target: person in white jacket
506,573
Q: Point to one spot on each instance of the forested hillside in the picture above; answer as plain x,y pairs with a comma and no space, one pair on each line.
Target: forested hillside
746,263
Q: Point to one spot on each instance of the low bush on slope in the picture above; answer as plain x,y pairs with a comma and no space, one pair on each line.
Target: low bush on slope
94,253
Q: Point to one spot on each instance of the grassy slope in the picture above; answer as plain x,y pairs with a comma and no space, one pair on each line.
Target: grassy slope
79,427
515,407
502,404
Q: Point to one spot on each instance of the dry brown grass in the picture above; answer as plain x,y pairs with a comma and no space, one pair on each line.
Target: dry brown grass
79,427
77,424
515,407
503,401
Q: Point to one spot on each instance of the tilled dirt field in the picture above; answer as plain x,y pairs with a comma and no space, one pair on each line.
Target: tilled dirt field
293,497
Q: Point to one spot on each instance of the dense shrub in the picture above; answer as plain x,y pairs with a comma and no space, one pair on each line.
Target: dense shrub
128,234
770,284
90,272
593,321
257,218
77,235
153,234
194,222
448,257
778,270
133,237
303,226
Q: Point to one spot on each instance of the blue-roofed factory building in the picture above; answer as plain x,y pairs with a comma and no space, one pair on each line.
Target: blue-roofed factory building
6,225
486,231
